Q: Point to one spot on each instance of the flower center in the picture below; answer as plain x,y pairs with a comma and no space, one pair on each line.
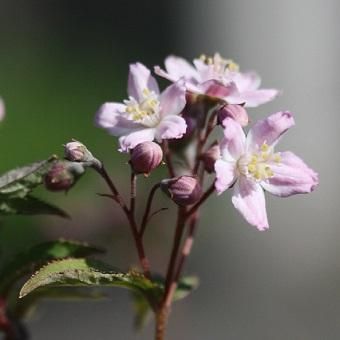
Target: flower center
146,111
257,164
220,65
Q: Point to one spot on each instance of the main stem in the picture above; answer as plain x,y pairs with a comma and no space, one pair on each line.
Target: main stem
174,272
164,309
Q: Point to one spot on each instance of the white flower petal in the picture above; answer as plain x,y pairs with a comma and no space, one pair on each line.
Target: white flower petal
249,200
140,78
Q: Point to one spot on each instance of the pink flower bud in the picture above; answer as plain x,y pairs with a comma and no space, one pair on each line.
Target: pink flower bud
210,157
183,190
74,151
236,112
62,175
77,152
146,157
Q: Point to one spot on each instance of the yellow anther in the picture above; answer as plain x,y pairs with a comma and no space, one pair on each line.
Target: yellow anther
251,167
264,156
269,172
257,175
277,158
146,92
232,66
264,147
203,57
254,159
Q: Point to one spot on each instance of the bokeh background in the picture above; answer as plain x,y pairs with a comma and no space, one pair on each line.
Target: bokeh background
61,59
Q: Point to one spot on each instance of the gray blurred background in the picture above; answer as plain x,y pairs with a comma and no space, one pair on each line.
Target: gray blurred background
60,60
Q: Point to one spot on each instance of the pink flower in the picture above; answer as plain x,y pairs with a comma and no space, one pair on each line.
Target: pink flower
2,110
147,114
218,77
250,162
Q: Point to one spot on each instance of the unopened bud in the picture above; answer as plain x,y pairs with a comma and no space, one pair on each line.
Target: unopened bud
63,175
77,152
236,112
210,157
183,190
146,157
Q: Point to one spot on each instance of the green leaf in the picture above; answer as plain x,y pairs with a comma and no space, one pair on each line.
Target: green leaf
185,286
22,308
28,260
83,272
29,205
19,182
142,307
142,311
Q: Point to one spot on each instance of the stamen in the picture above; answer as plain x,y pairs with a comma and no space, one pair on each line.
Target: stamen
146,111
221,65
264,147
277,158
257,165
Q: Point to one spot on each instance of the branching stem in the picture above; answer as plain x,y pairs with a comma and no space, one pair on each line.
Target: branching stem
129,214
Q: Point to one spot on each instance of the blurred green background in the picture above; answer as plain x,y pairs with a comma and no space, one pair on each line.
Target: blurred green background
60,60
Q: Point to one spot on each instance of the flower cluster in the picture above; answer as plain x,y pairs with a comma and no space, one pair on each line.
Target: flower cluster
210,94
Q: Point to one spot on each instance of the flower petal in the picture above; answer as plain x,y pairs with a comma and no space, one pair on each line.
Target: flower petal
269,130
140,78
205,71
172,99
291,176
225,175
246,81
2,109
236,112
233,144
171,127
160,72
132,139
249,200
109,116
253,98
178,67
215,88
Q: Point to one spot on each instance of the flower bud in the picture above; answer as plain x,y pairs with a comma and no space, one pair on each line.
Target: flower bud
77,152
210,157
63,175
236,112
146,157
183,190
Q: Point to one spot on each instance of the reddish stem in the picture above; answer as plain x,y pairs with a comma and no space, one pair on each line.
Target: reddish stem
133,193
168,159
130,216
147,209
175,249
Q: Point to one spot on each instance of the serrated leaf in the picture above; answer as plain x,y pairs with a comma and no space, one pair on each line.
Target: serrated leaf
29,205
22,308
19,182
84,272
28,260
